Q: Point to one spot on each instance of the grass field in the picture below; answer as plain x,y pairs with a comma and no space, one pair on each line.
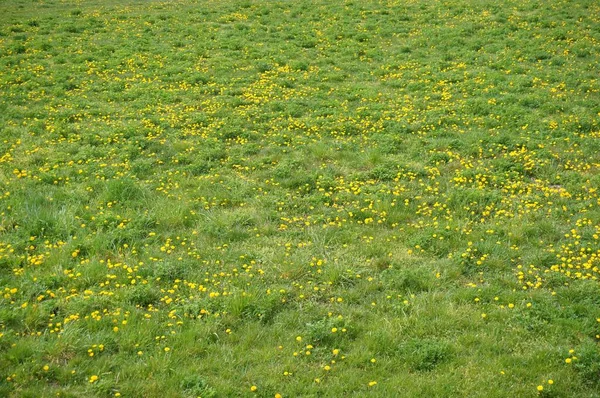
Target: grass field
299,198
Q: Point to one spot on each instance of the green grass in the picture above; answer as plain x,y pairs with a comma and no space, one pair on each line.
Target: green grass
314,198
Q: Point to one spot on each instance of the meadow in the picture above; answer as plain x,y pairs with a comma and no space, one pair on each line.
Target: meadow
299,198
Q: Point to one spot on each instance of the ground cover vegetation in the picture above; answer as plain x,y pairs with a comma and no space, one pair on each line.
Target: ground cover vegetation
299,198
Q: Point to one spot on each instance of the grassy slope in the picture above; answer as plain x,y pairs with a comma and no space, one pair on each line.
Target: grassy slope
209,196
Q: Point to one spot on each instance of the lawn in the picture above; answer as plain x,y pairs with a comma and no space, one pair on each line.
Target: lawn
299,198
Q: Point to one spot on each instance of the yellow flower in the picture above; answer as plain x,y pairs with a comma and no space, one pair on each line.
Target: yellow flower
550,381
93,379
372,383
540,388
253,388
